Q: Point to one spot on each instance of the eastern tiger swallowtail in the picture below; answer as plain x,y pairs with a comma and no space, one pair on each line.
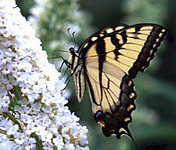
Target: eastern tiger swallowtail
107,62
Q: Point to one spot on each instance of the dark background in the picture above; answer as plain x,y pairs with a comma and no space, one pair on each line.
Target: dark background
154,120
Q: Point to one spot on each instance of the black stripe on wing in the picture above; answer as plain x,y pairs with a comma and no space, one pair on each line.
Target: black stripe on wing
100,49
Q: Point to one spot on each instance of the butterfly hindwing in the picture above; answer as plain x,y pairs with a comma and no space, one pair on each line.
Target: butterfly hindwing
112,106
117,122
110,80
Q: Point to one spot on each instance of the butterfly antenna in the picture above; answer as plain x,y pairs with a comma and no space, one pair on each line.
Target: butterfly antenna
68,31
72,36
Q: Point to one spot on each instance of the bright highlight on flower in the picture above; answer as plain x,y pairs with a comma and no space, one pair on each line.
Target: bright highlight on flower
32,111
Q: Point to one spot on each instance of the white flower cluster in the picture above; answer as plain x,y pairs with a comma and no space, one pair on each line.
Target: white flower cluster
32,111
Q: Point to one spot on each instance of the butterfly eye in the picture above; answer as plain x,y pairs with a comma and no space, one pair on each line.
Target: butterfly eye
72,50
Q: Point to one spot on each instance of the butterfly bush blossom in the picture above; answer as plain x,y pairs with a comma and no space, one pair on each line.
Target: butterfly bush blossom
33,114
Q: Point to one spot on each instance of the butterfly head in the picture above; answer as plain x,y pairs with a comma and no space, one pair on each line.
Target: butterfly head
72,51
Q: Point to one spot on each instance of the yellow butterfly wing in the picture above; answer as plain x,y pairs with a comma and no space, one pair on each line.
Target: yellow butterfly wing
109,60
113,101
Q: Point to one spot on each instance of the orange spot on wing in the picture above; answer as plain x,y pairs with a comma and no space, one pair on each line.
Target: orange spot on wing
102,123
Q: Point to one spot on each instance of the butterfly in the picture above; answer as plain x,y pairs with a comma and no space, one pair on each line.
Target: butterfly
107,62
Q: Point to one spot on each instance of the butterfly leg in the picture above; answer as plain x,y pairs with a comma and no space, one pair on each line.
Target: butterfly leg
67,64
64,62
67,81
69,77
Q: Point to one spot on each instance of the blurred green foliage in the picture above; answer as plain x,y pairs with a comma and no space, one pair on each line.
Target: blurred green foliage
154,120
